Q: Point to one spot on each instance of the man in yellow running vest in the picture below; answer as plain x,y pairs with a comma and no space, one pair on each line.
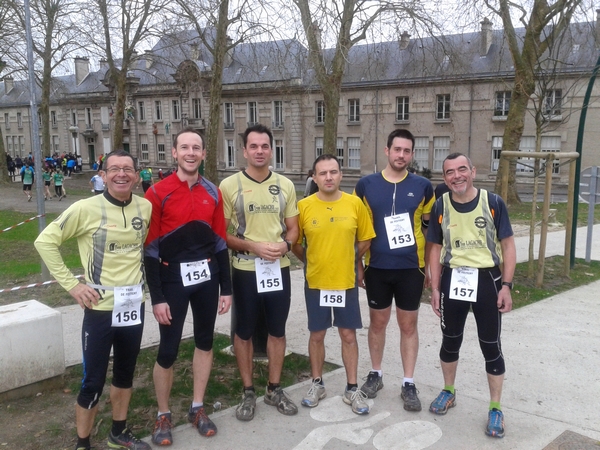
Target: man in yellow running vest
472,259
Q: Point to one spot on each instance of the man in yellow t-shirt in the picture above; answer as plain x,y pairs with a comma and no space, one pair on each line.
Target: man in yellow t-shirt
337,231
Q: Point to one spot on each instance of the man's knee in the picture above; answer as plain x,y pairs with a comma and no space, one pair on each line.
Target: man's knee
276,339
166,359
494,360
408,322
450,348
317,337
379,319
348,335
89,396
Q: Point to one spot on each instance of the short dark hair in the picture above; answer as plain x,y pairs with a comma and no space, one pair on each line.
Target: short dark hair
258,128
188,130
457,155
325,157
119,152
400,133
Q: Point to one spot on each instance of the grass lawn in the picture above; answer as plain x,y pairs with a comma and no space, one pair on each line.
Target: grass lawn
521,214
21,264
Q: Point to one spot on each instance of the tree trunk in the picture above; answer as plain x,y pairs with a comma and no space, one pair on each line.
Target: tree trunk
331,99
216,88
546,23
120,83
515,123
4,178
45,107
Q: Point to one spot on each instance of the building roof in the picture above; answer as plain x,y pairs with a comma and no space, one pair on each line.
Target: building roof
426,59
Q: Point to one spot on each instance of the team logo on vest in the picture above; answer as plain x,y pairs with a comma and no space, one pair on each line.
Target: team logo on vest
117,247
274,189
137,223
480,222
255,208
468,244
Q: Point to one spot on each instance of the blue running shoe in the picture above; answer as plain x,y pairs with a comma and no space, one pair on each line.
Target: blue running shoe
445,400
495,425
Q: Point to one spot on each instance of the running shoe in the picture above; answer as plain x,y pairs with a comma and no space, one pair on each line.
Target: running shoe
245,410
161,435
356,398
409,395
127,440
444,400
279,398
198,417
495,425
314,394
373,384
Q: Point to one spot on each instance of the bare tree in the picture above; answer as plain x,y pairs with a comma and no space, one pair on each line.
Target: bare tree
125,25
55,39
544,24
212,19
350,21
555,81
7,32
4,178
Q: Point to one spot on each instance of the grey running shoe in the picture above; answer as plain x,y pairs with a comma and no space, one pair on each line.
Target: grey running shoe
127,440
314,394
356,398
373,384
197,416
162,430
279,398
245,410
409,395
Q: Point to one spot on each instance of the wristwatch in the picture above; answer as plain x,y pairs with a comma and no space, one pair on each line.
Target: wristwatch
509,284
289,244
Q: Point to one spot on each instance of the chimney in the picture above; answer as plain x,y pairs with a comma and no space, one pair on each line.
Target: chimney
195,51
229,54
103,64
9,84
149,57
82,69
598,28
404,40
486,37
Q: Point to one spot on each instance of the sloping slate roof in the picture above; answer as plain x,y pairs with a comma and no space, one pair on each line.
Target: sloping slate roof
432,58
266,61
455,56
61,85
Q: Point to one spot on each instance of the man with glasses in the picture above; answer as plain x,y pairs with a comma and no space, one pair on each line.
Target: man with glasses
110,230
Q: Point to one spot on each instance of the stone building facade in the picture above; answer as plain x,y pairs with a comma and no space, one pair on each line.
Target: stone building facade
452,92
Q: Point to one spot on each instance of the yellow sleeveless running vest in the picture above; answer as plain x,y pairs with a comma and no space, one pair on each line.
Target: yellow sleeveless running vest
470,239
